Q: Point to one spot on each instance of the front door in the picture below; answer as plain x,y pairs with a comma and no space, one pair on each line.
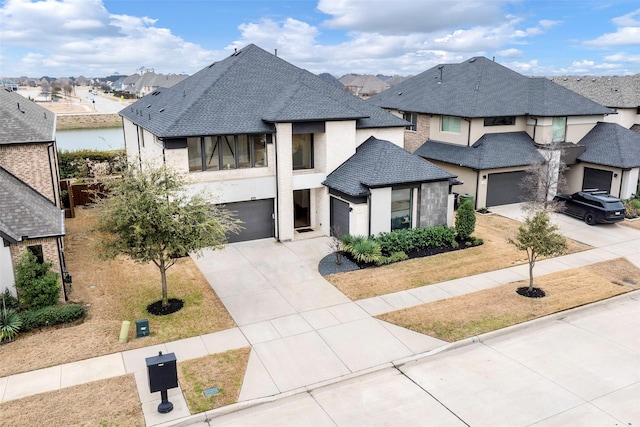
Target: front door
301,209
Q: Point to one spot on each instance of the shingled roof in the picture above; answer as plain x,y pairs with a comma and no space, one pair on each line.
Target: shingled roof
480,87
23,121
493,150
610,144
380,163
246,93
612,91
25,212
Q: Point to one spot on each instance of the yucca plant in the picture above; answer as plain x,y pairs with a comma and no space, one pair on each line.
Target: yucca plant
366,250
10,324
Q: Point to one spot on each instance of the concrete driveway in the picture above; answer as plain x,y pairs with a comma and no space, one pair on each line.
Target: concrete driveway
301,328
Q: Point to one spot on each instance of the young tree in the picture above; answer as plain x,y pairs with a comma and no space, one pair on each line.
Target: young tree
539,237
148,216
543,180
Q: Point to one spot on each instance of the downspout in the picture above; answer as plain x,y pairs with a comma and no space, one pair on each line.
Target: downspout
477,188
276,211
535,126
138,139
621,181
369,207
468,132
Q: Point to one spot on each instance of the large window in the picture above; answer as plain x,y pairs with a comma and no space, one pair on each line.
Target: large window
302,151
451,124
411,118
559,127
224,152
401,208
500,121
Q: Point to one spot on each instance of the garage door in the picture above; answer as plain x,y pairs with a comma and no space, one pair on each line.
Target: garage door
504,188
339,217
597,179
257,219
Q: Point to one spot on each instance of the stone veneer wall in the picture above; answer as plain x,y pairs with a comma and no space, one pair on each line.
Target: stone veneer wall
434,202
414,139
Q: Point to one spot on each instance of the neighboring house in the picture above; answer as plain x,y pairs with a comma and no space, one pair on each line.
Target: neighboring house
488,125
364,86
619,93
146,81
263,136
31,214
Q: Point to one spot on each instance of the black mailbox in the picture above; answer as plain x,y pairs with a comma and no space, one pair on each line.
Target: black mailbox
163,375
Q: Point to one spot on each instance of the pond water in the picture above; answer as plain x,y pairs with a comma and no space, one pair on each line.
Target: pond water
90,139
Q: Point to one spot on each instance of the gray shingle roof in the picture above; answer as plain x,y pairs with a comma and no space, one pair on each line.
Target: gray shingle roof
612,91
480,87
25,212
493,150
244,93
22,120
380,163
610,144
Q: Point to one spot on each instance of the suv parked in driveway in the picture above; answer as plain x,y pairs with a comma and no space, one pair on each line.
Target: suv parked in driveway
592,206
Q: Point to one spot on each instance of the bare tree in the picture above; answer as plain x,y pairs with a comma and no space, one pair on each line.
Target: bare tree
544,180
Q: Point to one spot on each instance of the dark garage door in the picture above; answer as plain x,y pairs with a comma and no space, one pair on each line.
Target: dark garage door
597,179
504,188
257,220
339,217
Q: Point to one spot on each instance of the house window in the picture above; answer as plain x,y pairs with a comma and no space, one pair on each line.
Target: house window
211,153
500,121
559,127
411,118
36,250
302,151
401,208
451,124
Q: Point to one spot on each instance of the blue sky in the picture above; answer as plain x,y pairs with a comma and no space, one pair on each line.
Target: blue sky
404,37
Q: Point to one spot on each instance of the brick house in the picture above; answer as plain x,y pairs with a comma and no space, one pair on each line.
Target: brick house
264,136
31,214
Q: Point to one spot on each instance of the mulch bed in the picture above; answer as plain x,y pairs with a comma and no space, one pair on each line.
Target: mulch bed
328,264
157,309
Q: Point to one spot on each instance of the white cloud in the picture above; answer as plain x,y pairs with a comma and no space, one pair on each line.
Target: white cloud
406,16
627,34
510,53
623,57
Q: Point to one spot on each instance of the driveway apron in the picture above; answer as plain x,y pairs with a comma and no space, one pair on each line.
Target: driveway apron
302,330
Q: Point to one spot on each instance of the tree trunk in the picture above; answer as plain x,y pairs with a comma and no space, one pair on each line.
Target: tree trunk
163,275
531,264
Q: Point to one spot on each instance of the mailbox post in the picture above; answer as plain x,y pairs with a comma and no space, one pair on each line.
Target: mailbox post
163,375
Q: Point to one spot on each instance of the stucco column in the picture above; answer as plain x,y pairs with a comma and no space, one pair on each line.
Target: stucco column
284,173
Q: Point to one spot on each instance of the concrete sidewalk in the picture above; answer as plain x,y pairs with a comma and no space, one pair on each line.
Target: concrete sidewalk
302,330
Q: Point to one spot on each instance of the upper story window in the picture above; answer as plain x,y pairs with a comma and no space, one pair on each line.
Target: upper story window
451,124
559,129
222,152
500,121
302,151
411,118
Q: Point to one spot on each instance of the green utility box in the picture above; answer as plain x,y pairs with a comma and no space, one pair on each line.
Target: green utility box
142,328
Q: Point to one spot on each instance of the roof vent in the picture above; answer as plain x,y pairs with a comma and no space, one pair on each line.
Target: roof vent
149,106
472,60
212,64
161,110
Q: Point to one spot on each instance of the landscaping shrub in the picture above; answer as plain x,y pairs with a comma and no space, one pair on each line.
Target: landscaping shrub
414,239
9,301
394,257
10,324
89,163
36,284
52,315
361,248
632,207
465,220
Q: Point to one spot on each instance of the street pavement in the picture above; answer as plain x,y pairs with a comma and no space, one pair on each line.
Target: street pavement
317,357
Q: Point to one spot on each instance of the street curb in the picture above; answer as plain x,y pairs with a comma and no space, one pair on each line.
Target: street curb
209,416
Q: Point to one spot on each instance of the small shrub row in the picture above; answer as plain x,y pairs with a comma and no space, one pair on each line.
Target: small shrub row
49,316
414,239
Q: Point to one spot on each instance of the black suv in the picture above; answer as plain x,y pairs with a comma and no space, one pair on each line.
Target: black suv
592,206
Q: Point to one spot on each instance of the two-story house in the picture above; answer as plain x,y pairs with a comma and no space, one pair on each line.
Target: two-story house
488,125
31,214
264,137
